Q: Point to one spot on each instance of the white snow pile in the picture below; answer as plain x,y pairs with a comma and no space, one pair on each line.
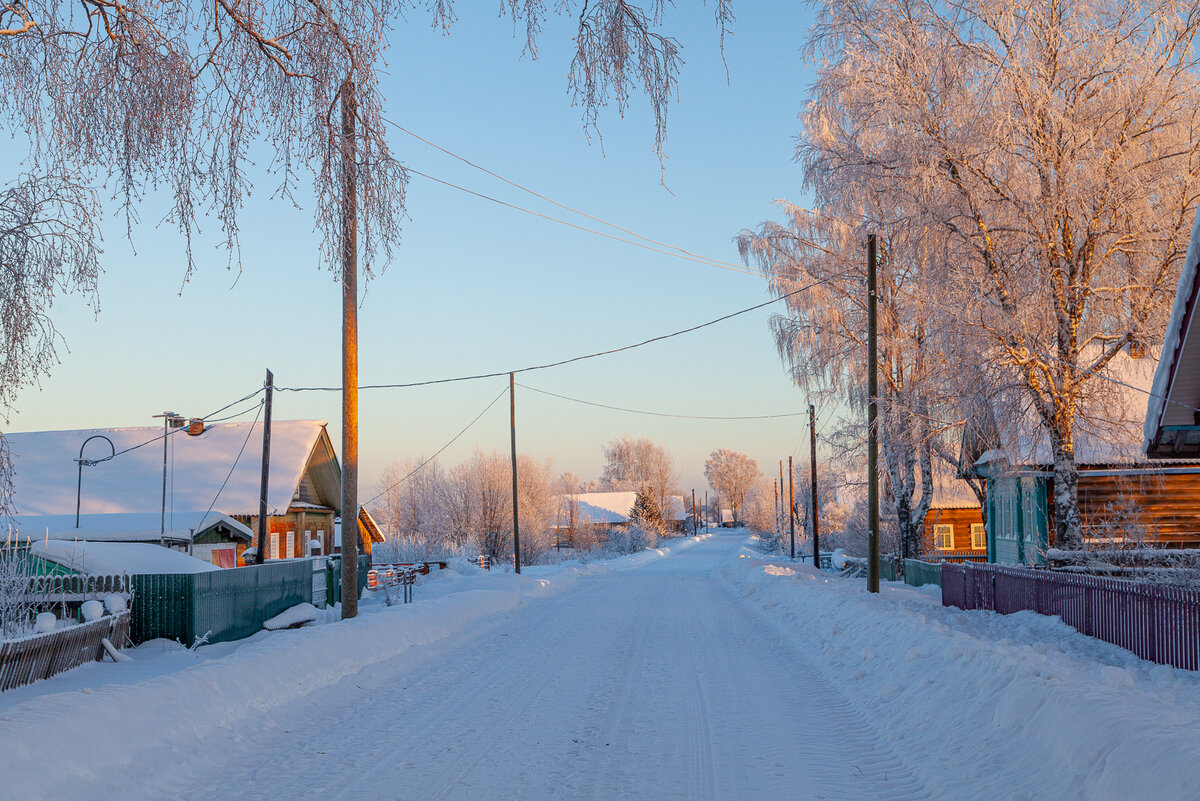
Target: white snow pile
113,730
990,706
292,617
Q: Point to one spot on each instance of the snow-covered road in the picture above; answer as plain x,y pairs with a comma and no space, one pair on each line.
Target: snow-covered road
651,683
702,671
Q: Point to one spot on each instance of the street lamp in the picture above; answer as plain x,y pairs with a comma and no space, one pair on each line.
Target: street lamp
89,462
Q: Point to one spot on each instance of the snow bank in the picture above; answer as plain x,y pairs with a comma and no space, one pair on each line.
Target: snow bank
990,706
113,731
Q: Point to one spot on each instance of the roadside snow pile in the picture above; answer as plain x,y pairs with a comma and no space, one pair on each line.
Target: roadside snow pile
111,729
292,617
990,706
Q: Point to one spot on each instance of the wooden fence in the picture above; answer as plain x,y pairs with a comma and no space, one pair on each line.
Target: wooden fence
918,573
1154,621
40,656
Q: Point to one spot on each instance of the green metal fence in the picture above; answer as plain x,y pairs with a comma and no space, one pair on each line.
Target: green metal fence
333,578
224,604
889,568
918,573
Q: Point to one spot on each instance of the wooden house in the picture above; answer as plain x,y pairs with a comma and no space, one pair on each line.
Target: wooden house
954,528
1125,499
213,480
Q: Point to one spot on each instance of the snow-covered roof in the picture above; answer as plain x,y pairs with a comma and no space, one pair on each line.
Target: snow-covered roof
950,492
1107,432
131,483
615,507
113,558
1178,375
124,527
605,507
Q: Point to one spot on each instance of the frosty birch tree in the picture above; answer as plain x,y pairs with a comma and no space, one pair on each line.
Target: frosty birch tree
632,463
731,474
1054,147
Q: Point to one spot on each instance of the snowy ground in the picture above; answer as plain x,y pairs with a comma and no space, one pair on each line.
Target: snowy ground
702,672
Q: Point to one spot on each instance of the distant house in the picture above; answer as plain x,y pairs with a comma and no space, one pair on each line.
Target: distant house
599,511
1124,498
213,483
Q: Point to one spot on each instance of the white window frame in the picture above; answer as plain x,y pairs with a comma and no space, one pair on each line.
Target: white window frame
307,540
291,544
274,553
978,536
943,536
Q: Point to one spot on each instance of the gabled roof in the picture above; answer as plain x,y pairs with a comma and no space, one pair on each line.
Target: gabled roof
1176,385
605,507
220,468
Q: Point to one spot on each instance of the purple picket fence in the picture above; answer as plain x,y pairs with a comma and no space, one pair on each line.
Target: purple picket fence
1156,622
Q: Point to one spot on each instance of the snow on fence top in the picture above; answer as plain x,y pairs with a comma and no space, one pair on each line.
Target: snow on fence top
131,483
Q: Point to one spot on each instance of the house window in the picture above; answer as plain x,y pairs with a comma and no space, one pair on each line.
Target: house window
978,536
321,538
291,544
307,543
274,554
943,537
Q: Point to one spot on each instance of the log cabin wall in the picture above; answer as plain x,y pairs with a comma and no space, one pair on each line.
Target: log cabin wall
961,519
1141,506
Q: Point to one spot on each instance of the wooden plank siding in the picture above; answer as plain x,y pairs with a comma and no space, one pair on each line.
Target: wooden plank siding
1155,508
959,517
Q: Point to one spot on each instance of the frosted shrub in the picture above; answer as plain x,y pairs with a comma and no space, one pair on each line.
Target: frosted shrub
17,602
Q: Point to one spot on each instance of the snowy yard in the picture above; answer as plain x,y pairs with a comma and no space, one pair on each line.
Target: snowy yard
702,671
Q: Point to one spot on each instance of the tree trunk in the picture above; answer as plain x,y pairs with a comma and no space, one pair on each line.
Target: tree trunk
1068,525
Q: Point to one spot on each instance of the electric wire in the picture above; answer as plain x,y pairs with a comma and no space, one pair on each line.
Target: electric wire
92,462
562,362
261,405
417,469
662,414
688,253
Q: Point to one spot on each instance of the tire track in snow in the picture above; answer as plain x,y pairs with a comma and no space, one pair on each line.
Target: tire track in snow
658,682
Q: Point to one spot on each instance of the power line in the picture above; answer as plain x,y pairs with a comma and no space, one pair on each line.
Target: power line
683,251
662,414
232,467
698,259
416,469
547,366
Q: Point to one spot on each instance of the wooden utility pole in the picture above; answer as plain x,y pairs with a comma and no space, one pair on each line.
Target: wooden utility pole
263,532
792,504
705,511
778,509
872,423
695,519
349,354
816,523
512,408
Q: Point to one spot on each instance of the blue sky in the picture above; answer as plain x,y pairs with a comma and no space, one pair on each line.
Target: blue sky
476,287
